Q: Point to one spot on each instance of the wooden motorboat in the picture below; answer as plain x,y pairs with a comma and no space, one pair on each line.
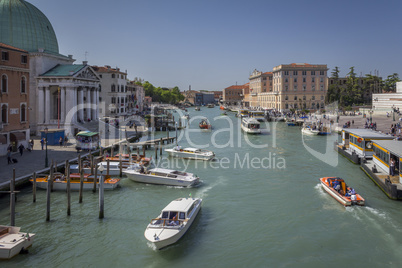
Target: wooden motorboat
161,176
345,195
190,153
173,222
60,182
12,241
204,124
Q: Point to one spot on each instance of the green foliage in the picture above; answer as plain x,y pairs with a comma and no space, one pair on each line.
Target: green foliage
164,95
390,82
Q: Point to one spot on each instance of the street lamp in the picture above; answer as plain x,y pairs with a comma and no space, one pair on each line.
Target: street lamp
46,159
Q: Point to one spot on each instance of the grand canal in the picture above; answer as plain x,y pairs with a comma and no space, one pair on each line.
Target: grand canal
262,207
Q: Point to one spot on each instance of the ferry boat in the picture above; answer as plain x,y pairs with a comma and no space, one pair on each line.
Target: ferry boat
173,222
242,113
346,195
250,126
60,182
204,124
12,241
161,176
259,115
210,105
190,153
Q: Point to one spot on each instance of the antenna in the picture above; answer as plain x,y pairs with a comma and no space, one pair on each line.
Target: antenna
86,53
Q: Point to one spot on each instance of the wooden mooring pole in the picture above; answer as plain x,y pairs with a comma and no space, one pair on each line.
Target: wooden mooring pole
81,186
101,199
95,179
160,147
12,200
34,187
48,190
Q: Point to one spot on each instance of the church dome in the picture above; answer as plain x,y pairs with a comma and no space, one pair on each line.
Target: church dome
24,26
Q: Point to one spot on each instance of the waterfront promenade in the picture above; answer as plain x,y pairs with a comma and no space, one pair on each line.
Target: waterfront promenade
33,161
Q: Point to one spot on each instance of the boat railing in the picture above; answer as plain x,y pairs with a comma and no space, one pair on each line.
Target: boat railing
166,223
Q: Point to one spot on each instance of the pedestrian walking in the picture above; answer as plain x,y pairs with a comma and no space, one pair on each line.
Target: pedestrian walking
61,141
9,157
32,143
65,141
42,142
21,148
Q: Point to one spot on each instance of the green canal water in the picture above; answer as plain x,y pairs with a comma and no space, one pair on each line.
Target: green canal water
262,207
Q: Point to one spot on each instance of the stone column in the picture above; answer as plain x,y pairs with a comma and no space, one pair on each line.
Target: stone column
62,104
93,104
74,103
47,105
41,105
88,104
96,93
81,104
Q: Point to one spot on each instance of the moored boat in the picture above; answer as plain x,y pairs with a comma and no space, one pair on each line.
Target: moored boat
161,176
338,189
12,241
60,182
308,130
211,105
190,153
250,125
173,222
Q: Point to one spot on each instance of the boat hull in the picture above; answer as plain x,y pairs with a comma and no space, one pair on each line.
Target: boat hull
166,237
144,178
12,244
310,132
250,131
190,156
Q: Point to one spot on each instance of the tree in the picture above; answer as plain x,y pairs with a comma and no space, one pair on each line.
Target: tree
390,82
334,90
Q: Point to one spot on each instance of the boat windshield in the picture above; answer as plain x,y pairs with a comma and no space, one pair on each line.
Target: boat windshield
176,172
254,126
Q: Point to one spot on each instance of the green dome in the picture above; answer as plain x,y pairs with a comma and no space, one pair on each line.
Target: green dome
24,26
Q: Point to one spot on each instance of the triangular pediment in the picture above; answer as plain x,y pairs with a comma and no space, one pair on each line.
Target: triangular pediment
87,73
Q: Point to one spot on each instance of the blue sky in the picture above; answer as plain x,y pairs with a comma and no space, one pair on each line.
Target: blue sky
211,45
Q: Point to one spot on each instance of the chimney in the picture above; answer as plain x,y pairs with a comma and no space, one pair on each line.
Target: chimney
85,62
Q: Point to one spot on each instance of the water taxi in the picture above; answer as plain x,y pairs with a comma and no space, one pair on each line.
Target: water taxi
190,153
173,222
60,182
12,241
258,115
308,130
162,176
250,125
204,124
211,105
338,189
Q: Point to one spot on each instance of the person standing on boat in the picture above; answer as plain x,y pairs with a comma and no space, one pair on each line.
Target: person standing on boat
392,167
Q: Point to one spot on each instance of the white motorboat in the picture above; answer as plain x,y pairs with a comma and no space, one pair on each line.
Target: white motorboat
12,241
250,125
173,222
310,131
161,176
190,153
114,168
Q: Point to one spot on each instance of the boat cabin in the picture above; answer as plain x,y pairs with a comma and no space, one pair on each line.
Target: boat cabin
87,140
243,113
360,141
251,123
384,151
177,212
259,115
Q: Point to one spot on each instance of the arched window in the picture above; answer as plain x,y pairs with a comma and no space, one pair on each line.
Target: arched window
4,116
23,84
23,113
113,88
4,84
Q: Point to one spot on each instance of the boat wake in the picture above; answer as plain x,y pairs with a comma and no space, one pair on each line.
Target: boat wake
204,190
152,246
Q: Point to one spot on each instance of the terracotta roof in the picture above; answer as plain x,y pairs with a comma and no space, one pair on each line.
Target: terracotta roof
104,69
11,47
267,73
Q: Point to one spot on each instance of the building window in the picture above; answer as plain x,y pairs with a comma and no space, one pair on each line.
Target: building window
321,87
286,80
23,113
312,72
304,80
113,88
286,106
313,105
113,76
23,84
321,72
4,83
322,79
286,97
295,88
286,72
313,87
24,59
304,87
304,97
313,97
113,100
286,88
4,115
304,72
294,72
295,98
312,79
295,80
4,56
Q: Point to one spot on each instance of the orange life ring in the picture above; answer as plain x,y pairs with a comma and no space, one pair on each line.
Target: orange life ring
359,140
